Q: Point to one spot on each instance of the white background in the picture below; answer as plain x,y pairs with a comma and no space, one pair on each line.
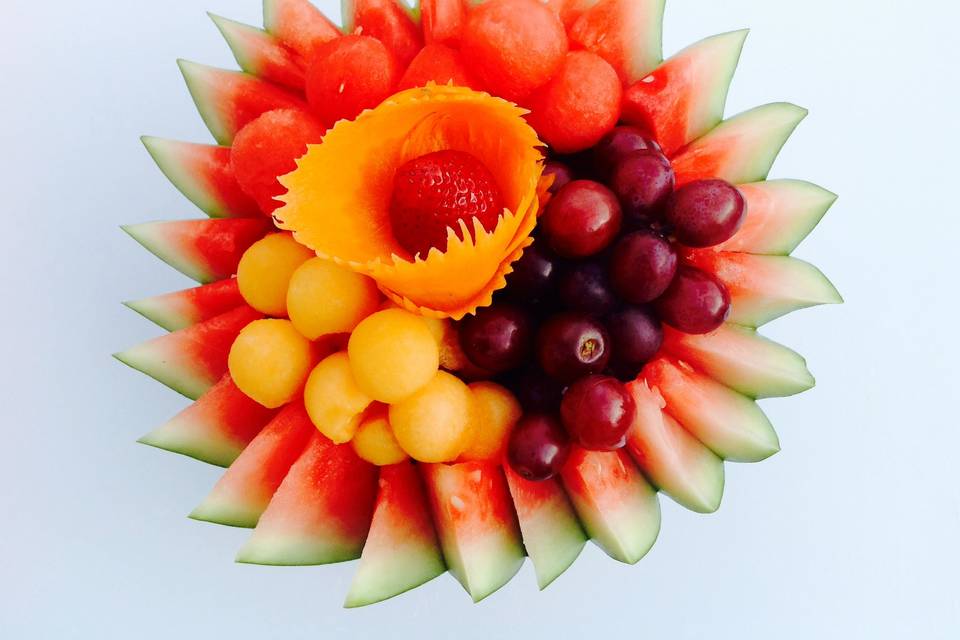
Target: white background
850,532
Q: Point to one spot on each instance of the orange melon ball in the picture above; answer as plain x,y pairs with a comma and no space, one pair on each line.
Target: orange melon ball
579,105
374,440
433,425
333,400
495,412
513,46
324,298
393,354
269,362
265,269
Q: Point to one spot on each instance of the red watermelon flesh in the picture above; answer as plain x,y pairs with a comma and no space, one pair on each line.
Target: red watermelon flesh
321,512
262,54
476,523
182,309
245,490
402,551
387,21
436,63
202,173
204,250
443,21
191,360
298,24
626,33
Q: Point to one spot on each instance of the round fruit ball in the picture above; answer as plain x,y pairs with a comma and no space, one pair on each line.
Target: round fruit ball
598,412
696,302
618,144
513,46
536,391
562,175
269,361
572,345
497,338
374,440
706,212
585,286
495,412
393,354
534,275
433,424
643,181
268,147
642,266
333,400
436,63
347,75
637,336
579,105
582,219
324,298
265,269
538,447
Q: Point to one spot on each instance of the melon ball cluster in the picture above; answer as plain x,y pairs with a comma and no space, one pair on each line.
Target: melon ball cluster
370,373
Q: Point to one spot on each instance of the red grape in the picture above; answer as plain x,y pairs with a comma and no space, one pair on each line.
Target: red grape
618,144
695,302
497,338
582,219
636,337
643,181
562,174
705,213
534,275
598,412
642,267
535,390
572,345
538,447
586,287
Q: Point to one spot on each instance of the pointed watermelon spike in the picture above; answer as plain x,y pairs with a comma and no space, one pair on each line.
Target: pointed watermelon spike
228,100
780,214
684,98
191,360
763,288
203,174
741,149
552,535
298,24
244,491
626,33
390,21
402,551
321,512
261,54
203,250
729,423
740,358
182,309
670,457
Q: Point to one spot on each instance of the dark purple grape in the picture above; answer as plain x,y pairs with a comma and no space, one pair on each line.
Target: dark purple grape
538,447
642,266
705,213
563,175
695,302
585,286
598,412
535,390
581,220
572,345
642,181
497,338
618,144
636,337
534,275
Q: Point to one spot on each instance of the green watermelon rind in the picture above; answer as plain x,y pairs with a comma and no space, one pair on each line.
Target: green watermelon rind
151,236
164,154
232,32
226,512
281,550
197,77
156,310
150,359
808,204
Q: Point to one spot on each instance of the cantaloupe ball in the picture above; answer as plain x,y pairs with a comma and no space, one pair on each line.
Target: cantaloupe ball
333,400
393,354
324,298
265,270
433,425
495,412
269,361
374,440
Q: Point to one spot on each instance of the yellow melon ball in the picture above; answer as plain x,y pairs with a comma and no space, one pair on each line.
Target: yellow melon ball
495,412
445,333
393,354
265,270
374,440
334,401
433,425
269,361
325,298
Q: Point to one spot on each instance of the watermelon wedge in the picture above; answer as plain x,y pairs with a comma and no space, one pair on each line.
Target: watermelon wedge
741,149
321,512
190,360
244,491
552,535
740,358
298,24
182,309
402,551
670,457
684,98
262,54
215,428
731,424
203,174
203,250
780,214
626,33
227,100
443,21
763,288
476,523
617,506
389,21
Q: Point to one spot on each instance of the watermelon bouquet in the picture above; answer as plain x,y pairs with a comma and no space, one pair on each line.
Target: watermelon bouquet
479,282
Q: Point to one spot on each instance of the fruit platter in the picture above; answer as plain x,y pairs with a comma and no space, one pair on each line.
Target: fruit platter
478,281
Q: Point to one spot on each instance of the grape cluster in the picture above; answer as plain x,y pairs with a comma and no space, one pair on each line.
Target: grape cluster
587,301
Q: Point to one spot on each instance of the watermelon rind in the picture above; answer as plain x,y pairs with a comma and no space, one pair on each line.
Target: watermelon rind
181,309
199,78
152,236
151,358
179,435
260,53
156,310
